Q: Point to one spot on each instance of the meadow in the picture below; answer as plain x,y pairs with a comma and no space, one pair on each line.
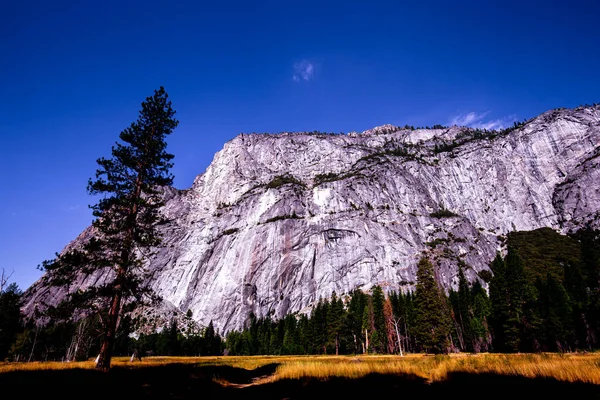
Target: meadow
313,377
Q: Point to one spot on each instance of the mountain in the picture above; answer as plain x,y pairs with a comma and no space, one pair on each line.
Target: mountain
279,220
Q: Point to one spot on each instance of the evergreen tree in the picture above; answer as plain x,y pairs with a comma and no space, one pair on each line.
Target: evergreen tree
167,343
464,310
127,213
245,346
500,299
555,312
335,322
291,336
192,344
404,314
432,324
263,339
233,341
275,342
173,347
10,315
368,324
212,341
354,320
318,322
304,333
469,313
380,334
479,322
590,257
411,317
576,289
516,284
513,300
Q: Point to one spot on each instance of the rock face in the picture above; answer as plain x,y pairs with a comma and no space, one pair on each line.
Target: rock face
279,220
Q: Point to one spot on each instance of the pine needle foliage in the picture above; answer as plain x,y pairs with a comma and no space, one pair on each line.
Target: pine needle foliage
129,185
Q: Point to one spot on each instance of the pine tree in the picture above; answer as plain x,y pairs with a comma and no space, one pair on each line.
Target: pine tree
461,311
304,333
479,323
464,309
516,285
10,314
411,317
169,340
367,324
291,336
500,299
335,322
432,324
590,260
513,304
124,230
318,322
380,334
356,306
555,312
404,316
210,340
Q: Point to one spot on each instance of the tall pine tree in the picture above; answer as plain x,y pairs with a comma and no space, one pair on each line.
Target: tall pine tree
354,320
129,186
432,323
500,300
335,322
511,295
379,337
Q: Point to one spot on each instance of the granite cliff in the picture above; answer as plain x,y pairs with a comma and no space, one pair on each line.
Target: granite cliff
278,220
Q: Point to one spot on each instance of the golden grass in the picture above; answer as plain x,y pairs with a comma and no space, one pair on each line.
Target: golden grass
116,361
566,368
571,367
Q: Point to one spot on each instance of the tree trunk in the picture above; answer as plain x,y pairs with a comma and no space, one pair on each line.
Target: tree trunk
104,358
37,329
77,341
367,340
589,337
105,355
398,338
459,326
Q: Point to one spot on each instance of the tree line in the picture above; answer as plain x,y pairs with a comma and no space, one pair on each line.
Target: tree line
425,320
546,309
67,340
552,305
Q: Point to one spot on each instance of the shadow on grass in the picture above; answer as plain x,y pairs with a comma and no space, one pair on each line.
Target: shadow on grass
185,381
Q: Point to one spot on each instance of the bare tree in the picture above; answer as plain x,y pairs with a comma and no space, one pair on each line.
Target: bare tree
4,277
396,322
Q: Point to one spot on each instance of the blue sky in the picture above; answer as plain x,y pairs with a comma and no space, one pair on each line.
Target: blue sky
74,74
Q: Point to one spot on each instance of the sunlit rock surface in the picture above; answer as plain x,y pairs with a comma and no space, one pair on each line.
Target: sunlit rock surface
279,220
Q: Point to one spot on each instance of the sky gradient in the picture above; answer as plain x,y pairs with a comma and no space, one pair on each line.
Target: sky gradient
75,73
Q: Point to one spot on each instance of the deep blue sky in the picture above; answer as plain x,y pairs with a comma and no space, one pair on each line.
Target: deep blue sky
75,73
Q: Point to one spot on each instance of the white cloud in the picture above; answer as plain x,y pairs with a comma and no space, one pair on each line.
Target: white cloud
475,120
303,70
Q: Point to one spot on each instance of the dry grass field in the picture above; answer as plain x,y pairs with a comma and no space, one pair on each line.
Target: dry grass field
313,376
